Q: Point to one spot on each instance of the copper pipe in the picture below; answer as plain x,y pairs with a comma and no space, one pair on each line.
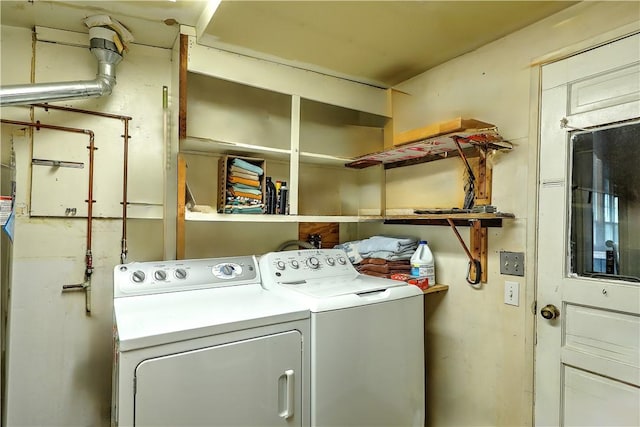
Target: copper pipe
123,243
90,201
464,246
77,110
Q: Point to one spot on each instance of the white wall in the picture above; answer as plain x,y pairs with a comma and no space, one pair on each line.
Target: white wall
479,350
59,358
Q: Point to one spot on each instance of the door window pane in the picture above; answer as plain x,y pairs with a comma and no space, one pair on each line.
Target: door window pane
605,203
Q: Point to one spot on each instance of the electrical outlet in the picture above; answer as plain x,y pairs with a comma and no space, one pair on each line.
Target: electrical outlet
512,263
512,293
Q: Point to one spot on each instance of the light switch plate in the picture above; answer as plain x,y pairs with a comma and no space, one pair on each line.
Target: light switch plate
512,263
512,293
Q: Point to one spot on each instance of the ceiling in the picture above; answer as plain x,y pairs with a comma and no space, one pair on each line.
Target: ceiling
377,42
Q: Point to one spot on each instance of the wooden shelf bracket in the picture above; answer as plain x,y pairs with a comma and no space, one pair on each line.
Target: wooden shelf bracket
477,254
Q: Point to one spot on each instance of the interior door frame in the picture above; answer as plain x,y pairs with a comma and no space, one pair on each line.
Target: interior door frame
534,183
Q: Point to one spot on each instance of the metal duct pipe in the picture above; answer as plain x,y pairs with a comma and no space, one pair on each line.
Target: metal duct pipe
108,57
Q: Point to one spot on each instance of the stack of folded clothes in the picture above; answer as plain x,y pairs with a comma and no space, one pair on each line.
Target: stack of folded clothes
381,255
389,248
244,191
382,268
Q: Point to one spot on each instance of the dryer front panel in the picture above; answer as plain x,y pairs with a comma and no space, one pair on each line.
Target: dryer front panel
251,382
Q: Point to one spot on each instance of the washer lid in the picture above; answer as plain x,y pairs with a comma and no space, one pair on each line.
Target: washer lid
346,292
149,320
341,285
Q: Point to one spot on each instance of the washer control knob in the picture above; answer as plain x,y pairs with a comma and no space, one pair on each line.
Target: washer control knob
280,265
313,262
295,264
160,275
180,273
331,261
341,260
227,269
138,276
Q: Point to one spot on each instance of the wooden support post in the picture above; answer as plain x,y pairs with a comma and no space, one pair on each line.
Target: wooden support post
182,191
182,91
479,238
483,174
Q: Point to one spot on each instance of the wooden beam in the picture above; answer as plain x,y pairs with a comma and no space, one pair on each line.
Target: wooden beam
182,191
182,91
436,129
479,246
484,174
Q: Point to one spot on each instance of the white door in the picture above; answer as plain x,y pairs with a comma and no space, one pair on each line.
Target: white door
587,369
256,382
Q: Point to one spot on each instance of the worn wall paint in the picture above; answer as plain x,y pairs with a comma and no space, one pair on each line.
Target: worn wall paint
59,359
480,351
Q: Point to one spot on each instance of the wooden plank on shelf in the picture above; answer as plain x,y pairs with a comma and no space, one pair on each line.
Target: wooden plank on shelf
459,219
436,289
441,128
435,147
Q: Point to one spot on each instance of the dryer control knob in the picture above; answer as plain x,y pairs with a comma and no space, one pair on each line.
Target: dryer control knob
280,265
341,261
331,261
313,262
138,276
160,275
295,264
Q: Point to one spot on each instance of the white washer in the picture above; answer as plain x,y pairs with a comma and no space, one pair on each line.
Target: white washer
367,339
201,343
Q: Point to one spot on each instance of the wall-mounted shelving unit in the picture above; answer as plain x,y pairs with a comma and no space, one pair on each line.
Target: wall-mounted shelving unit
318,133
305,125
458,137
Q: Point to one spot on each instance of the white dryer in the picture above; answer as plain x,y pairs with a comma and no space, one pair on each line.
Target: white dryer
367,339
201,343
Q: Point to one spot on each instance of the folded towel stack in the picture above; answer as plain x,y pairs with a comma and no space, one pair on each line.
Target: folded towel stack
382,268
382,248
244,191
388,248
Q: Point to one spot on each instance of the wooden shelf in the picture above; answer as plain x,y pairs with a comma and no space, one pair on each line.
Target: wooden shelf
430,143
218,217
459,219
436,289
197,145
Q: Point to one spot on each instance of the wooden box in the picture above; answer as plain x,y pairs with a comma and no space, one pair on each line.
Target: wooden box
224,168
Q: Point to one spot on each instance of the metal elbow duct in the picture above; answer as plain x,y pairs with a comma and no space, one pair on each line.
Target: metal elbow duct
108,56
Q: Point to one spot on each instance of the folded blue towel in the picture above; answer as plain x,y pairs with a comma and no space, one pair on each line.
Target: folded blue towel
246,189
351,249
391,244
248,166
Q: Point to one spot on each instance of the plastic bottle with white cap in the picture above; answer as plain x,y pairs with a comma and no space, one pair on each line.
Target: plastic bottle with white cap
422,263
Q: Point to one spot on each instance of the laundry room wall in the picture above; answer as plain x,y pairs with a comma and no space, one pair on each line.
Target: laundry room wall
59,364
479,350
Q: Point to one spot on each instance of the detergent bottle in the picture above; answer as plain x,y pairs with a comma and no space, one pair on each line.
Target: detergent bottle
422,263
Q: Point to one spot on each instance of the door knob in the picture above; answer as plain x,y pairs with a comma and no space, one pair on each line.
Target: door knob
550,311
